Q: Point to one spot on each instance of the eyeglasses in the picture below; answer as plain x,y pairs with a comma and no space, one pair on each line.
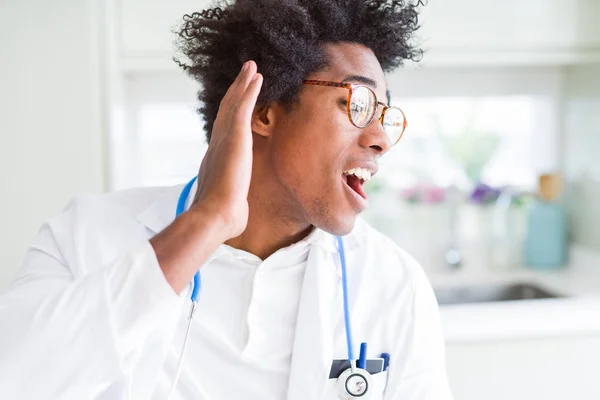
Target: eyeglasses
362,105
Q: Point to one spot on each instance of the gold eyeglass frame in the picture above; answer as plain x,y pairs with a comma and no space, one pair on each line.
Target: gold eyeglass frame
351,88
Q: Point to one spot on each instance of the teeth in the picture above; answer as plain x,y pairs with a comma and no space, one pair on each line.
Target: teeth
361,173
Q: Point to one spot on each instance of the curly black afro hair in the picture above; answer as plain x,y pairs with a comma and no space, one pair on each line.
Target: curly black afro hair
285,39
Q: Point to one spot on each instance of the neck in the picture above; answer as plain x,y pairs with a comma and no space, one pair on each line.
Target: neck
268,228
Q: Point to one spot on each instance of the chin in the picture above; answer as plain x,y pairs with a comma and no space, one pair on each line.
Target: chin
338,226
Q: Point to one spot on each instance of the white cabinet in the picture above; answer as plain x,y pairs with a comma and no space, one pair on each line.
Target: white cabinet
473,32
457,32
550,369
511,24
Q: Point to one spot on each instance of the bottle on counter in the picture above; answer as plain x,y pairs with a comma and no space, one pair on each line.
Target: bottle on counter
546,231
508,231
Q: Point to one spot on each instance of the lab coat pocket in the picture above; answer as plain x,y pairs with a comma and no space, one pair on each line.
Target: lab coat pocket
379,385
379,382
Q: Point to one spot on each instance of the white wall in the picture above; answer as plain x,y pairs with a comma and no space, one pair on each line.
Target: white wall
50,116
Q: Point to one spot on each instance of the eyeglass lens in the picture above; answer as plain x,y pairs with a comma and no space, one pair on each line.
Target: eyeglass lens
363,105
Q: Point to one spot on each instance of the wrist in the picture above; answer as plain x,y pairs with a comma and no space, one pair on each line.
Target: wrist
186,244
214,222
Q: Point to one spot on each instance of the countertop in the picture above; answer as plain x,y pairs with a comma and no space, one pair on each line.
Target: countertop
577,313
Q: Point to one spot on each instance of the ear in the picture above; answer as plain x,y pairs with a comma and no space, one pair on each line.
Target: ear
263,120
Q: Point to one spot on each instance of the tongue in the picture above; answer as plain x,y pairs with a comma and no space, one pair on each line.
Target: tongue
354,183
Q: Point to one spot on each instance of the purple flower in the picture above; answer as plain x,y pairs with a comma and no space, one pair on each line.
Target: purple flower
484,194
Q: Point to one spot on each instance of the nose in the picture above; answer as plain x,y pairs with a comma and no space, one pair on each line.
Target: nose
374,137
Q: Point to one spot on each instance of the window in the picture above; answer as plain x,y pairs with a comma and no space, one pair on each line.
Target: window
462,140
161,139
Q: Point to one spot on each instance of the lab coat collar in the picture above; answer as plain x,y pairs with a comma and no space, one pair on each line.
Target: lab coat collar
161,212
313,340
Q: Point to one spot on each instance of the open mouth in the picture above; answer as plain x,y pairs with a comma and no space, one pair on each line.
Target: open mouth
356,178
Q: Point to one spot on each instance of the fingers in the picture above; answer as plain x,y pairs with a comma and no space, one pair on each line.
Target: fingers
248,100
240,84
240,99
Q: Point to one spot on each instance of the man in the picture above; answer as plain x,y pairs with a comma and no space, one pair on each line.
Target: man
101,305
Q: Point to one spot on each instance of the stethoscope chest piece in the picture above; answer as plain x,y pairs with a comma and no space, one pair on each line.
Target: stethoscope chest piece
355,384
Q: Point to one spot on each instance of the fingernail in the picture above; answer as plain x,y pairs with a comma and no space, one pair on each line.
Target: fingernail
245,66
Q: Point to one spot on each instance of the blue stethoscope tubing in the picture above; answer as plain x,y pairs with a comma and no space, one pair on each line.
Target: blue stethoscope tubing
346,307
197,283
180,209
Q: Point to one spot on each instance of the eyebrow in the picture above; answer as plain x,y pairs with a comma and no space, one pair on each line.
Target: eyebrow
369,82
361,79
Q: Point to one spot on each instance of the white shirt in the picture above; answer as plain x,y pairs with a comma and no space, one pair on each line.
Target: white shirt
244,324
91,316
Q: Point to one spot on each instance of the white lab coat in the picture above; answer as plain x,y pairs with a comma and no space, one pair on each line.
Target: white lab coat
80,322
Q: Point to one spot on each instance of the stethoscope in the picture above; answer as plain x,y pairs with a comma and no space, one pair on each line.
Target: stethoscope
353,383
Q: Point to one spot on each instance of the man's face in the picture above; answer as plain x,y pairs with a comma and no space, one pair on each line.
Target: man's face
315,143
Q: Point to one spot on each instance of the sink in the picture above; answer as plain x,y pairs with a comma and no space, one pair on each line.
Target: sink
491,293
